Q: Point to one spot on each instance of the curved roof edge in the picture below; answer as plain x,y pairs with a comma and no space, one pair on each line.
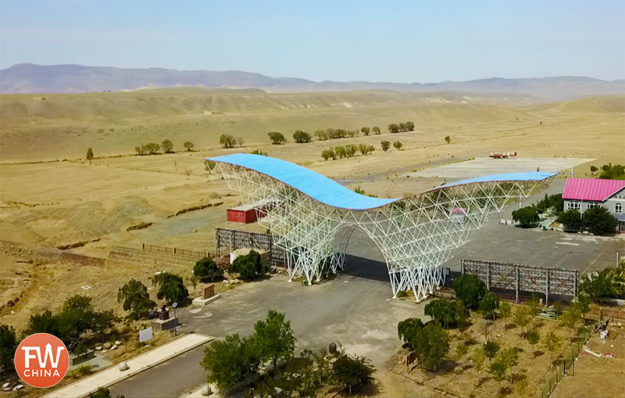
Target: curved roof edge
528,176
308,182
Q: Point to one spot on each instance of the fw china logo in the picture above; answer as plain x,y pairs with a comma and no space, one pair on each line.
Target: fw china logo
41,360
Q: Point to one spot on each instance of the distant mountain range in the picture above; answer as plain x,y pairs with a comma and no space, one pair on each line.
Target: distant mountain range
31,78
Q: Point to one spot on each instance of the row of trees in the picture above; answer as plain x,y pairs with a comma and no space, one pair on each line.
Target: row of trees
229,141
301,137
265,362
401,127
350,150
530,216
597,220
152,148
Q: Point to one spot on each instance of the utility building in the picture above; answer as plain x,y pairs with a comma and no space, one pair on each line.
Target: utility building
582,194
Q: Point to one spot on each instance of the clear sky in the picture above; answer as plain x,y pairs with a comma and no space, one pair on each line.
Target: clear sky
401,41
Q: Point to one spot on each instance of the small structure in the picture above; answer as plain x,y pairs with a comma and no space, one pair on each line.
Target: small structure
244,214
208,296
163,321
585,193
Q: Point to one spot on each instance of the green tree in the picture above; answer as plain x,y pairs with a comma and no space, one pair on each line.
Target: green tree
602,284
469,289
274,337
593,169
430,343
504,360
398,145
248,266
231,361
170,287
599,221
385,145
409,126
447,139
44,322
276,137
328,154
522,317
449,313
376,130
352,373
526,216
188,145
135,298
90,155
572,219
8,345
505,309
103,392
78,316
301,137
340,151
168,146
227,141
490,349
206,268
488,304
393,128
583,303
552,342
533,337
365,130
407,329
571,318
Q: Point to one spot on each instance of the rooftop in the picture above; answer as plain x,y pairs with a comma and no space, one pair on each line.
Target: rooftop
591,189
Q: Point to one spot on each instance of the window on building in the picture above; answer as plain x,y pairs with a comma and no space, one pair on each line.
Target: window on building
574,205
592,205
618,208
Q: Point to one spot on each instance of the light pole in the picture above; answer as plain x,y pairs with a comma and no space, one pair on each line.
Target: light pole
175,305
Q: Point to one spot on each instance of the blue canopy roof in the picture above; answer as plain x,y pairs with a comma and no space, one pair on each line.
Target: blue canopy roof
315,185
524,176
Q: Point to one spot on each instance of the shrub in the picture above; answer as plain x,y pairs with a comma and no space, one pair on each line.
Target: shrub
398,145
490,349
376,130
206,268
385,145
488,304
340,151
188,145
572,219
276,137
616,172
350,150
447,139
135,298
168,146
248,266
599,221
469,289
393,128
366,149
90,155
532,337
301,137
352,373
258,152
227,141
365,130
328,154
526,216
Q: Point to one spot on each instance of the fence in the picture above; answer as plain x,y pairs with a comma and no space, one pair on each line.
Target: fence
174,250
232,239
566,364
524,278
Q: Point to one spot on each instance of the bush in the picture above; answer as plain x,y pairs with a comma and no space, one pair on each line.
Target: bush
227,141
350,150
398,145
352,373
147,149
490,349
533,337
385,145
248,266
571,219
450,314
376,130
328,154
301,137
168,146
365,149
393,128
447,139
469,289
276,138
90,155
526,216
207,268
365,130
135,298
599,221
171,288
188,145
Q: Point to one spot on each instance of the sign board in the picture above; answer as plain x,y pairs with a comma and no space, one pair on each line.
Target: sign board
145,334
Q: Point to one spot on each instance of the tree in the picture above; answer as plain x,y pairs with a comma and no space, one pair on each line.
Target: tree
526,216
227,141
522,317
397,145
571,318
8,345
532,337
407,328
490,349
248,266
188,145
276,137
231,361
301,137
44,322
366,149
409,126
168,146
583,303
505,309
274,337
469,289
393,128
488,304
90,155
376,130
571,219
206,268
350,150
352,373
449,313
170,287
365,130
593,169
503,361
551,341
429,342
534,306
447,139
328,154
78,316
385,145
135,298
599,221
340,151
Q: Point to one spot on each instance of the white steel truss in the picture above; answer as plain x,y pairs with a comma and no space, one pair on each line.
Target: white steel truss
415,234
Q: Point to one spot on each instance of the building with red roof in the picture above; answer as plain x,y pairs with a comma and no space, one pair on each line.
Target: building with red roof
585,193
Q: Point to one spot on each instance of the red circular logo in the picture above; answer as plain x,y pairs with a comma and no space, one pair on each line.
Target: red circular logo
41,360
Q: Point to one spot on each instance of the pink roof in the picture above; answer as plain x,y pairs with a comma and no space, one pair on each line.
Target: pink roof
592,189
